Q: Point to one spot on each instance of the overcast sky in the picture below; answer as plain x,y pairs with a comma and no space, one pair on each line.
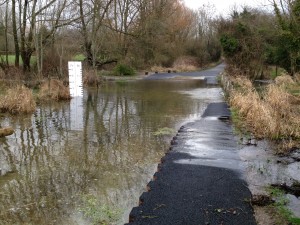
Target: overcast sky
224,6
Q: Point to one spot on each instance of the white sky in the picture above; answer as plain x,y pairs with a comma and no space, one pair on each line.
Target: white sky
224,6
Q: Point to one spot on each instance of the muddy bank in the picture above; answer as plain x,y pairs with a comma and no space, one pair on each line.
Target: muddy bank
264,169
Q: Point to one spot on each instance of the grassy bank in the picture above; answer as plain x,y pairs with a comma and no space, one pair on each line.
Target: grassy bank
272,113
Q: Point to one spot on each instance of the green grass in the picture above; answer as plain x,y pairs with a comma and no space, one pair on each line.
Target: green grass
11,59
280,205
238,122
97,213
164,131
79,57
294,90
280,71
124,70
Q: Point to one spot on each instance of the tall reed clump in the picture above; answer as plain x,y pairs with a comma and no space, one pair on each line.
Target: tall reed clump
90,78
266,115
18,99
54,90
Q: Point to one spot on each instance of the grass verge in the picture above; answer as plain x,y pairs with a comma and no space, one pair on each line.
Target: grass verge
273,113
280,210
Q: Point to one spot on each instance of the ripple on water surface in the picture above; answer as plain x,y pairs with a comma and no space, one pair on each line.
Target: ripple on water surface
53,173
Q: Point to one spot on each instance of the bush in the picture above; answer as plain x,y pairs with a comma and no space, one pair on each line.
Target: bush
230,45
54,90
186,63
18,100
91,79
124,70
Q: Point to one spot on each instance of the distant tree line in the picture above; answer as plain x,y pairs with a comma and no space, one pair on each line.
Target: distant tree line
253,39
139,33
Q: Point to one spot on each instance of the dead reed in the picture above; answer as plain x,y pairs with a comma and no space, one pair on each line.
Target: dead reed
91,79
270,114
284,80
182,64
54,90
18,99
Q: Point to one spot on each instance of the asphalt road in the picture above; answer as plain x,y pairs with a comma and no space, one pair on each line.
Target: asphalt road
199,182
209,74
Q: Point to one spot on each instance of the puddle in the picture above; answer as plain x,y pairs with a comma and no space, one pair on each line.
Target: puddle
210,95
263,169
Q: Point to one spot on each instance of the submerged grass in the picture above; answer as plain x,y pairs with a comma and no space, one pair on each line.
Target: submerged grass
164,131
272,114
283,214
97,213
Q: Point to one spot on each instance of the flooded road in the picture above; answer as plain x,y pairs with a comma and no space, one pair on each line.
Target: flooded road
88,163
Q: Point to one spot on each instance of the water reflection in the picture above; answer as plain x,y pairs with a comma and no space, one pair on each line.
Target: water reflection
76,113
48,168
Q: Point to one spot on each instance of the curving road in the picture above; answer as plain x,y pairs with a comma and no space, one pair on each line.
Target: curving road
210,74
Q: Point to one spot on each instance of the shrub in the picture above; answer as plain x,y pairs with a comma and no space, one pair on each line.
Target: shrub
54,90
90,78
230,45
124,70
18,100
186,63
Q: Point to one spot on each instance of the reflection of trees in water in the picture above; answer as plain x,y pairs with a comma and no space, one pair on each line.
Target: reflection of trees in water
112,158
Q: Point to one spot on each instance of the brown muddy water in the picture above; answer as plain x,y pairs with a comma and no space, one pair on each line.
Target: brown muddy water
88,162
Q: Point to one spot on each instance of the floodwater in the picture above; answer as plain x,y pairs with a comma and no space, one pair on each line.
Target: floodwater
88,162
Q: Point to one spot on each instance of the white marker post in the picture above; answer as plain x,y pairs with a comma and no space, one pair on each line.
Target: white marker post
75,79
76,92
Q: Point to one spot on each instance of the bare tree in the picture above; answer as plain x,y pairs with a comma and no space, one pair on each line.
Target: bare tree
30,12
92,15
15,33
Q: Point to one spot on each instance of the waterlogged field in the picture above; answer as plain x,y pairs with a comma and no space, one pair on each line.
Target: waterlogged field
88,161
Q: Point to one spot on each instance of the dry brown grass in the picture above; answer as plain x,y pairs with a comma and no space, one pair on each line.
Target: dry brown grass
182,64
160,69
90,78
243,83
284,80
297,78
271,115
54,90
18,100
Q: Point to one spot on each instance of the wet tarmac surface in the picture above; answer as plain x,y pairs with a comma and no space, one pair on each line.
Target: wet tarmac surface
199,181
209,75
264,169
